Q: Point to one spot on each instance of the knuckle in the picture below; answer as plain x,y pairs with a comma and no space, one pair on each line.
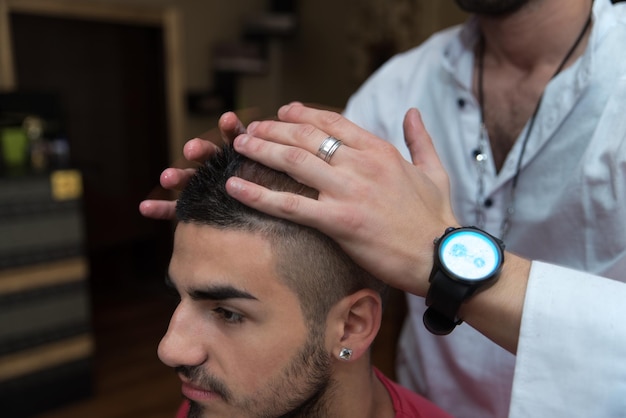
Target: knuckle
289,204
253,196
385,157
389,150
331,118
351,219
305,131
295,156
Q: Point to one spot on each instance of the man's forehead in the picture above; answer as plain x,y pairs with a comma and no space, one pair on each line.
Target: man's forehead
208,256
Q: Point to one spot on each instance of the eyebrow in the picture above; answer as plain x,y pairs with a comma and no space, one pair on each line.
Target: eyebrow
213,292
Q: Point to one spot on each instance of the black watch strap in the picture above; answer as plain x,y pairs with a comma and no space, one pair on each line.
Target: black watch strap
444,300
466,260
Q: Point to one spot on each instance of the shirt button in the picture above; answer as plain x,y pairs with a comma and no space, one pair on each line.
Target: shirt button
461,103
488,203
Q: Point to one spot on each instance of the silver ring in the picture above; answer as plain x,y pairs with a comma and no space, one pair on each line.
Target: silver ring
328,148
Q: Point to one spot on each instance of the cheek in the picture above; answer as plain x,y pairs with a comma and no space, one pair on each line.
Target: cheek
261,356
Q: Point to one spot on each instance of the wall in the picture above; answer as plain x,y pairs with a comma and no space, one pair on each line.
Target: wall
317,65
204,22
320,64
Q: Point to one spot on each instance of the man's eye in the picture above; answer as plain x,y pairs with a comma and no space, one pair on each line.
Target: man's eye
228,316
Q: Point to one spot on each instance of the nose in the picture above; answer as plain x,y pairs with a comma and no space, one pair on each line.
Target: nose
182,343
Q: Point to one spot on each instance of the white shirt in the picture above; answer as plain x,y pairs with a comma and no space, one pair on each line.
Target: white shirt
570,199
571,358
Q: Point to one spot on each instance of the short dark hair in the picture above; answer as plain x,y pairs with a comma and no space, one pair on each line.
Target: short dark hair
309,262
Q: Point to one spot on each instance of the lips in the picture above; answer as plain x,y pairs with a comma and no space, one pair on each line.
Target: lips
198,394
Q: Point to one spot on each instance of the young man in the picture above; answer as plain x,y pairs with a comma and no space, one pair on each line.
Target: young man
525,107
274,319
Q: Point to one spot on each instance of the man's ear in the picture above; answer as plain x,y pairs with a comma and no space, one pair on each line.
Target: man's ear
354,323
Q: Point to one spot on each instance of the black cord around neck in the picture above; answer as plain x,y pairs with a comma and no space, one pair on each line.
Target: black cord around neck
531,123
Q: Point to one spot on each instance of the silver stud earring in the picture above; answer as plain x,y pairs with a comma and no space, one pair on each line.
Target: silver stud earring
345,354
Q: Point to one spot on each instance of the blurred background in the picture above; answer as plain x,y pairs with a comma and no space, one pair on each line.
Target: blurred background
97,97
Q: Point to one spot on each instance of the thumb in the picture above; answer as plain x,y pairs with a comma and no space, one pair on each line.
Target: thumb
418,141
422,149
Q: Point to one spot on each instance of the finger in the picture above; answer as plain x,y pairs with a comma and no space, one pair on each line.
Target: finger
329,122
423,152
299,164
417,139
158,209
176,178
230,127
303,136
420,143
199,149
288,206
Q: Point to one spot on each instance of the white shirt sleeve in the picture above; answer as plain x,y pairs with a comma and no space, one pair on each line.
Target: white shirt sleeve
571,359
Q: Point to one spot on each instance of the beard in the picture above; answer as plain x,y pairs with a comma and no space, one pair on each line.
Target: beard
304,388
491,7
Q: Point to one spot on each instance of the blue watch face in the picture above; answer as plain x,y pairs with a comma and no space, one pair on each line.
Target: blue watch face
470,255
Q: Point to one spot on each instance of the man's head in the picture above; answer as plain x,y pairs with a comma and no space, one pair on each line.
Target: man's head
266,305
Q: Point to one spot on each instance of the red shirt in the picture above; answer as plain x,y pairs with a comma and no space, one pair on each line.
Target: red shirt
183,410
408,404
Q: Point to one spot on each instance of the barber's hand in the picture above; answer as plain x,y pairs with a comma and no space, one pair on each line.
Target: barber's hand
383,211
195,150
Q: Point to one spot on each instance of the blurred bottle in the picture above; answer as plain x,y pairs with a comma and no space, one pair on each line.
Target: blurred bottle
14,149
59,153
34,128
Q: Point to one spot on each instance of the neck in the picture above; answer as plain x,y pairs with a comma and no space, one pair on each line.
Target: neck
360,393
537,34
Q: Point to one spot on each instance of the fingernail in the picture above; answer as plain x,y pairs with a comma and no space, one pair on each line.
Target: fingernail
252,126
283,109
234,186
241,140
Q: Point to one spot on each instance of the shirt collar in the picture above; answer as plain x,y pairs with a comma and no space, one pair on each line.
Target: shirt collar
458,56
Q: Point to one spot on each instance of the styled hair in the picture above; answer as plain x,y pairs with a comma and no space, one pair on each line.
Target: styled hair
311,264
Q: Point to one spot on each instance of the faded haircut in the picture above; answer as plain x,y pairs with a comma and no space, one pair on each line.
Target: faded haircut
311,264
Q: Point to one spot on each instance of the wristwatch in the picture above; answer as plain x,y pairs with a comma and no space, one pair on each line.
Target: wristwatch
466,261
